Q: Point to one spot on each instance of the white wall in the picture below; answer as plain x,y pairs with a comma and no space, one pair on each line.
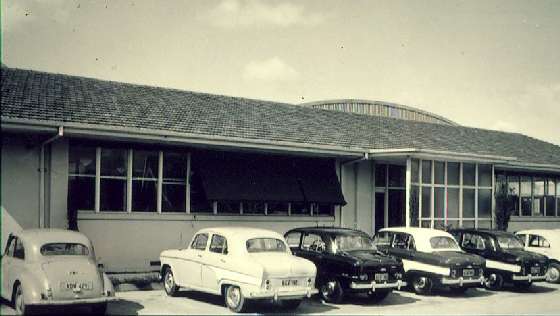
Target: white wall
357,186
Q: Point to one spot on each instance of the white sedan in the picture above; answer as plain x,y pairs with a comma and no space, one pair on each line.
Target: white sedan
241,264
545,242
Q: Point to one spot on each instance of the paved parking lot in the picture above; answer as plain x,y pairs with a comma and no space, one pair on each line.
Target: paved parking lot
541,299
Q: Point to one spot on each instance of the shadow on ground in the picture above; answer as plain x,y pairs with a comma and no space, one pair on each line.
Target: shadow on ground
123,307
535,289
395,298
472,292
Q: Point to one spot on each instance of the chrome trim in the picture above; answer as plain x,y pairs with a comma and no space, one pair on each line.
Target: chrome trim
461,281
529,278
373,285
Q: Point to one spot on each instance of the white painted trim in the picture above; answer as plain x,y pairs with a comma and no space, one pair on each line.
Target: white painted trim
424,267
491,264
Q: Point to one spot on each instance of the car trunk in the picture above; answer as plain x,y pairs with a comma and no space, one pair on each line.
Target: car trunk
73,277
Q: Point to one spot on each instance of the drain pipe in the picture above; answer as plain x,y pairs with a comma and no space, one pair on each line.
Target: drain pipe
42,170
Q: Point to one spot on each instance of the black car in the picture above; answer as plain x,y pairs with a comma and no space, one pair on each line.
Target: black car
506,260
347,262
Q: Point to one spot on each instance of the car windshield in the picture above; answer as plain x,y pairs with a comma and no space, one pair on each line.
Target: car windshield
443,242
64,249
265,245
354,242
509,242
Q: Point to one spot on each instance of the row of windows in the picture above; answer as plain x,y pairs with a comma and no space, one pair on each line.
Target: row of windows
532,195
137,180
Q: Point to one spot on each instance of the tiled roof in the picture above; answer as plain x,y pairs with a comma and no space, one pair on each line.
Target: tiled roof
33,95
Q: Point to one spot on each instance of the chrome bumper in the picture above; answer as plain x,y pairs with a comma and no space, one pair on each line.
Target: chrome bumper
78,301
460,281
529,278
373,285
278,295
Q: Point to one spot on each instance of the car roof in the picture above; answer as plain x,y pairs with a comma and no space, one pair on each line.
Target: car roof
550,234
40,236
331,230
483,231
241,232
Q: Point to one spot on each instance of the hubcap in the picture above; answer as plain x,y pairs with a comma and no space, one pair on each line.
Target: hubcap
492,280
328,288
19,301
553,274
233,297
169,282
421,283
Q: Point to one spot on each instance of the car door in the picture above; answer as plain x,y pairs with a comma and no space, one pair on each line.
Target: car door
476,244
402,246
7,268
313,247
189,273
217,263
539,244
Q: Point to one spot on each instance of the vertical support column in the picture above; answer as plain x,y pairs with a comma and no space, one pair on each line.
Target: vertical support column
445,208
97,179
373,198
386,202
494,197
460,194
408,188
159,181
188,185
432,194
356,206
129,182
476,195
420,189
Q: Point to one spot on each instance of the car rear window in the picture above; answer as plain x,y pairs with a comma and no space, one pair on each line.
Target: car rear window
443,242
265,245
64,249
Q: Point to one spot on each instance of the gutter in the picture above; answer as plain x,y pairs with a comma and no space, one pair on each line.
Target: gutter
384,153
42,171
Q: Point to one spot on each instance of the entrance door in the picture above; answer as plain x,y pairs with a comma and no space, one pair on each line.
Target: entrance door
396,207
379,211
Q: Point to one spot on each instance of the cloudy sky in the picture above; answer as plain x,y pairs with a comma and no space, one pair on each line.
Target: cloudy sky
489,64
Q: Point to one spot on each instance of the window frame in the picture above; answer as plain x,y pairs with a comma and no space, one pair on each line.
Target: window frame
224,249
195,239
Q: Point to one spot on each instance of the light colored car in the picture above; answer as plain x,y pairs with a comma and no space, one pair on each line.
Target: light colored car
545,242
241,264
431,258
53,267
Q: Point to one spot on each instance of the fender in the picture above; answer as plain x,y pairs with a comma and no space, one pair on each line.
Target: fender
34,283
410,265
497,265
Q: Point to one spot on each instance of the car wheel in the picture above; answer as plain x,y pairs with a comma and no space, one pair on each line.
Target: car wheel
234,299
553,273
378,295
290,304
422,285
99,309
331,291
494,282
18,301
169,284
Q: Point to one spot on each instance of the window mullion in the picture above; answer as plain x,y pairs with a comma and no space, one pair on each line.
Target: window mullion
461,194
432,194
188,186
445,206
97,179
476,195
129,182
159,181
420,189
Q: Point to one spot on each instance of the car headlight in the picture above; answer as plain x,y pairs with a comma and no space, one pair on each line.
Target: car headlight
363,277
453,273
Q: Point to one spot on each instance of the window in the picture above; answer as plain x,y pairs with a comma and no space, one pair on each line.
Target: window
380,175
199,242
439,172
453,173
145,173
113,173
64,249
19,251
403,241
443,242
533,195
313,242
352,242
382,239
538,241
265,245
414,170
522,238
474,242
469,174
397,176
485,175
218,244
81,178
293,239
11,246
426,171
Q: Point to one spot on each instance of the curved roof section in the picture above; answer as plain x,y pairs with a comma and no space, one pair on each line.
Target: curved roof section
380,108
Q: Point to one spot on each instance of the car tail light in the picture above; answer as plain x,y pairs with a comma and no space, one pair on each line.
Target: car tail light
267,285
309,281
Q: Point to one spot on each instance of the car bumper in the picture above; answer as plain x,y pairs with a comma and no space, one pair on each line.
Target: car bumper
374,286
283,295
529,278
462,282
80,301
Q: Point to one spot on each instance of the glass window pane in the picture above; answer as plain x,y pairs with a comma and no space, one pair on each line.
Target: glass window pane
452,224
199,203
551,187
380,175
113,195
513,184
469,174
426,171
439,224
538,206
453,174
525,186
452,203
144,196
550,205
300,209
174,165
396,208
526,206
468,203
439,200
538,187
145,163
397,176
484,224
414,206
229,208
484,175
439,172
558,187
414,170
325,209
468,224
277,208
81,160
426,224
253,207
113,162
484,203
426,200
81,193
173,197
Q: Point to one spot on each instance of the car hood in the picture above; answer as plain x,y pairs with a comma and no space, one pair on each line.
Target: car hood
520,255
60,270
457,258
370,258
283,265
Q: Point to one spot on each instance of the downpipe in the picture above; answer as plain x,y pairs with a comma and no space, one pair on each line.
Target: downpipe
42,171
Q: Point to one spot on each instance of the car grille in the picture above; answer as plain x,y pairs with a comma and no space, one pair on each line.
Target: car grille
533,268
383,274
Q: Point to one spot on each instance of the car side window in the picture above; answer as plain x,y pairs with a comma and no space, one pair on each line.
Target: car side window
11,246
200,241
403,241
218,244
538,241
293,239
19,252
473,241
523,239
382,239
313,242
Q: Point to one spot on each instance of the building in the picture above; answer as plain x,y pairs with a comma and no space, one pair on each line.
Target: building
140,168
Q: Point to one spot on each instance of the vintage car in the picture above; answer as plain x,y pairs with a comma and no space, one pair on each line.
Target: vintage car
546,242
53,267
506,260
431,258
347,262
241,264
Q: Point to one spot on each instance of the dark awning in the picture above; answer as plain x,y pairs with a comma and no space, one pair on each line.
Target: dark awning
319,181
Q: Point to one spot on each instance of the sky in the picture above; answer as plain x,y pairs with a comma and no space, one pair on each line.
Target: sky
481,63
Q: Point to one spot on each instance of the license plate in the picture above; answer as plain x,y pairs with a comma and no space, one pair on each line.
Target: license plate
381,276
289,282
535,270
71,286
468,272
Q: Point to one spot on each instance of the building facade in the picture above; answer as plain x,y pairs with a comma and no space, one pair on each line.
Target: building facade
140,169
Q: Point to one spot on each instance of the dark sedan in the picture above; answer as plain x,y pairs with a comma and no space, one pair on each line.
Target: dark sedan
347,262
506,260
